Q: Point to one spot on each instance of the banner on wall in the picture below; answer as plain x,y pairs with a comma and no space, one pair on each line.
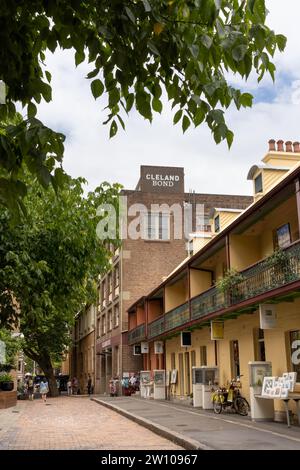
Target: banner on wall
217,330
267,316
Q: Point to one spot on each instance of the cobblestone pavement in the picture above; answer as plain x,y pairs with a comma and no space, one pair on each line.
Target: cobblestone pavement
73,423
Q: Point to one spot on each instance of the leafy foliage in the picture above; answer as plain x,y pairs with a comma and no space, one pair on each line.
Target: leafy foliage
137,49
51,265
12,346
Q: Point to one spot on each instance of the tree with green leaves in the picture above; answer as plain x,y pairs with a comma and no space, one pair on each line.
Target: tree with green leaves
137,50
49,267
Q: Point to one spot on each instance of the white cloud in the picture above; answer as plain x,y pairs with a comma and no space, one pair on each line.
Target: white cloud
208,167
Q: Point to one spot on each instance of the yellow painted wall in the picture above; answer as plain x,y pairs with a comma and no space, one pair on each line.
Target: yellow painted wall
226,218
200,281
242,329
200,242
244,251
285,213
199,338
270,178
176,294
285,159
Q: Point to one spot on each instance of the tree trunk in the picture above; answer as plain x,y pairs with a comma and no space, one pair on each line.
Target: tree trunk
45,364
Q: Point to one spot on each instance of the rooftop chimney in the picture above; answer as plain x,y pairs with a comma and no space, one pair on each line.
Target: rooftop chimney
280,146
288,146
272,145
296,146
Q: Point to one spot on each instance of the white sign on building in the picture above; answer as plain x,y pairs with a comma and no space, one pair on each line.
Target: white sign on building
144,347
158,347
267,316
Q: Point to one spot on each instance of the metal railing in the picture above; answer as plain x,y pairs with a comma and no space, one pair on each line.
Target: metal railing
279,269
136,335
177,317
156,327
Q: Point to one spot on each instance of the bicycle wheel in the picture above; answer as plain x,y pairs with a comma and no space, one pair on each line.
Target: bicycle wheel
217,402
241,406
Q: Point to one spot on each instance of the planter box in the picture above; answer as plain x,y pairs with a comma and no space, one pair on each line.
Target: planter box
6,386
8,399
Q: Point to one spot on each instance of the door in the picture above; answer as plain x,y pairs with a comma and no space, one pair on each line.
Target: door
235,358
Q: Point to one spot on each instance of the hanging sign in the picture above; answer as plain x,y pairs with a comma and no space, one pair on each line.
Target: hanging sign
267,316
217,330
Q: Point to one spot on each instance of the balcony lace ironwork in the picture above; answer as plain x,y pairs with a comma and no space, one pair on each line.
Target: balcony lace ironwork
137,335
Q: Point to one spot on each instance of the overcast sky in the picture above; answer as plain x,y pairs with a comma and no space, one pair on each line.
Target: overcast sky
209,168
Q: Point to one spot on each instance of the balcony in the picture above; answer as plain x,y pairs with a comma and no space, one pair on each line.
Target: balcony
276,271
177,317
136,335
156,327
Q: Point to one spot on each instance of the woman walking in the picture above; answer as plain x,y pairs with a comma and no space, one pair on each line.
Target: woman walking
44,389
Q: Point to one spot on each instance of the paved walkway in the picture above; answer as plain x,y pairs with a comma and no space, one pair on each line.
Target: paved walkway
204,429
73,423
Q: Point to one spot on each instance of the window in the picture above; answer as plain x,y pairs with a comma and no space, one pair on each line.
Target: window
116,315
235,358
217,223
98,327
260,353
116,275
258,186
203,356
157,226
109,320
103,325
102,291
173,361
109,280
294,352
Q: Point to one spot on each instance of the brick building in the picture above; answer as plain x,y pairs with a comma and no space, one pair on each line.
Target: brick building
151,254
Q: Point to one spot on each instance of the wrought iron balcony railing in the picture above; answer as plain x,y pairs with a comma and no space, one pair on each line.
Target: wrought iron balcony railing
137,335
156,327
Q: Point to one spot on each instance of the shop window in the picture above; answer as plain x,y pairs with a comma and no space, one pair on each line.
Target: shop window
203,356
258,185
217,223
295,352
235,358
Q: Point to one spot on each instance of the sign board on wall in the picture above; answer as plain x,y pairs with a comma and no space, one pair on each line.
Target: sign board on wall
162,179
158,347
267,316
217,330
144,347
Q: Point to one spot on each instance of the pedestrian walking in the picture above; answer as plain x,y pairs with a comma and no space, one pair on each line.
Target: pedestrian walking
69,387
44,389
30,387
89,384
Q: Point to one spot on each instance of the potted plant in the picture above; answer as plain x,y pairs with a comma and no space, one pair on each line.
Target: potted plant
6,382
228,285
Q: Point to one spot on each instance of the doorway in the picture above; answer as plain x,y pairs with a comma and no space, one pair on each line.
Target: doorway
235,358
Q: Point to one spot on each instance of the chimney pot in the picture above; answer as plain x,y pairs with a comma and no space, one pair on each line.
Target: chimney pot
288,146
272,145
296,146
280,146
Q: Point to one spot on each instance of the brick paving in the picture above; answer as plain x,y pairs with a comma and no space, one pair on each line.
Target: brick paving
73,423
